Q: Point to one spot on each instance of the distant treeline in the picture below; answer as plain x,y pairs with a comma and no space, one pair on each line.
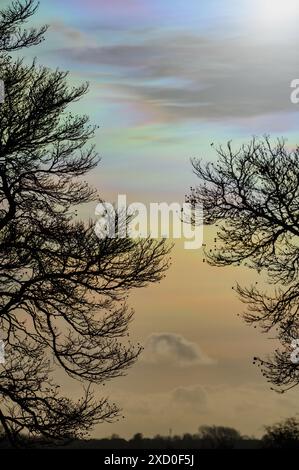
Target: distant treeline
186,441
283,435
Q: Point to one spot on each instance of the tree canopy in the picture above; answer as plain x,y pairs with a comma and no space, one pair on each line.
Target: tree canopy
252,195
63,290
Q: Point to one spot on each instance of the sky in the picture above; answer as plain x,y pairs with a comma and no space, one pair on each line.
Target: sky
167,79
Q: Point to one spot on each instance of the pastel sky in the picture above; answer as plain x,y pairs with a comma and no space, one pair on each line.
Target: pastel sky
168,78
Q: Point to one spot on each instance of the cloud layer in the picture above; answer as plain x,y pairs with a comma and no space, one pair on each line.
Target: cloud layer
189,77
247,408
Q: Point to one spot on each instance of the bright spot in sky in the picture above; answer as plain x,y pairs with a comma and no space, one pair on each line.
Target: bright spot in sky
278,11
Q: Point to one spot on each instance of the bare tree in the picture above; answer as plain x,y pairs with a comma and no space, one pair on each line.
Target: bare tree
252,195
63,290
12,34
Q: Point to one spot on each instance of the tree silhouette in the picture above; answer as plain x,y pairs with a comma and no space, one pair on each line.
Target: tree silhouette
218,437
252,196
12,36
63,290
284,435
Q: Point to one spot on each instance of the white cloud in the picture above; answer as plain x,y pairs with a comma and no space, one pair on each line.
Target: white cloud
170,348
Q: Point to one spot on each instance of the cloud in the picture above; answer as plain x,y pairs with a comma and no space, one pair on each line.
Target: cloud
248,408
72,37
173,349
117,8
186,76
195,397
67,31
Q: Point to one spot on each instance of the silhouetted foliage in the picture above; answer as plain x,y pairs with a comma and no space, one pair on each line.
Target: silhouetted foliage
63,290
218,437
284,435
12,35
209,437
252,195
